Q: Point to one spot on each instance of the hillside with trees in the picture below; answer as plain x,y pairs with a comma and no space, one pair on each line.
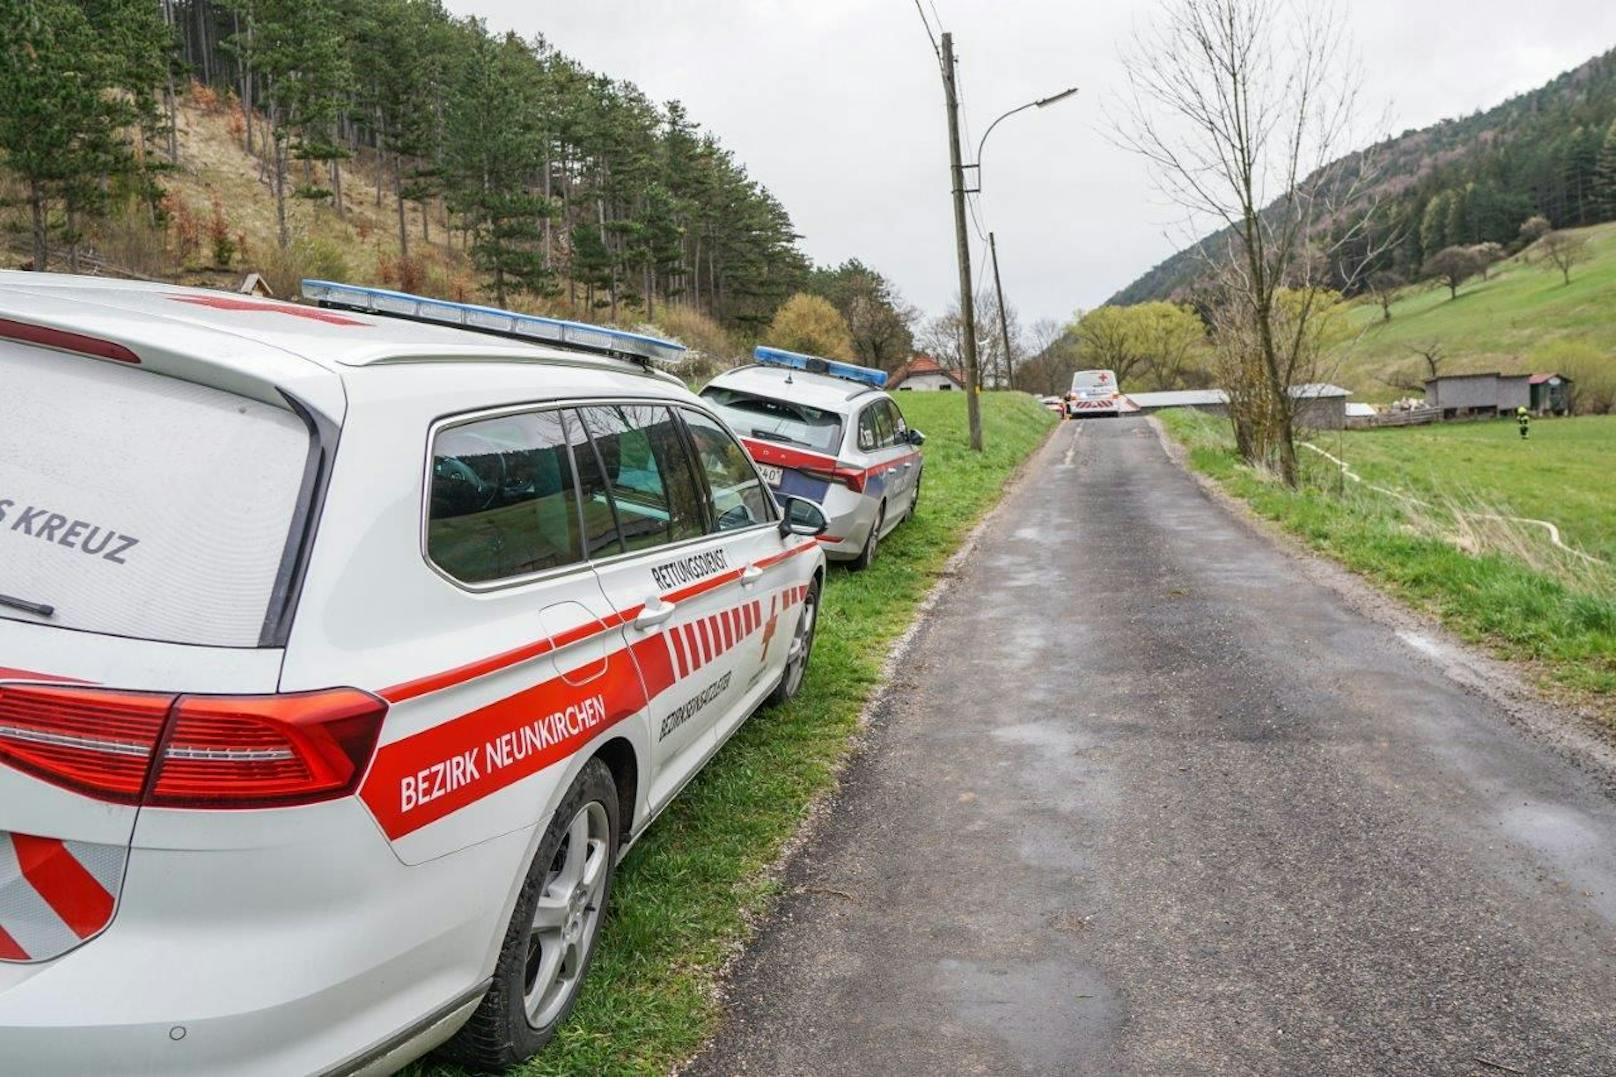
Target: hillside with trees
1468,182
392,143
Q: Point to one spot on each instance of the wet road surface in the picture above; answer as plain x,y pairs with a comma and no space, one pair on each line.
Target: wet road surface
1145,799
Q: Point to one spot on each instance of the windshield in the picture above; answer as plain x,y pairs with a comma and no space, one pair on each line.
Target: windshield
784,421
134,504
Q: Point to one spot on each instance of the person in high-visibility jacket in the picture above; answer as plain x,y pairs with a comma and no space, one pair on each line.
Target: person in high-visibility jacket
1523,419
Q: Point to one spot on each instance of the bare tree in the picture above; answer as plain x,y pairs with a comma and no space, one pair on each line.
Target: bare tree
1433,353
1562,250
1535,228
1384,286
1453,266
943,338
1488,253
1245,110
1052,356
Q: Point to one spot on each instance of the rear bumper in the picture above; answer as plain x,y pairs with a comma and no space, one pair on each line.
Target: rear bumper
312,950
850,518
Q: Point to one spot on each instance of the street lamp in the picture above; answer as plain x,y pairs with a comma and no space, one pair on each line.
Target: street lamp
993,246
1042,102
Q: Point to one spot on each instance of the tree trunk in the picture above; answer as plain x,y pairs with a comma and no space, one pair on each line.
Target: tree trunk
72,236
36,206
398,189
283,234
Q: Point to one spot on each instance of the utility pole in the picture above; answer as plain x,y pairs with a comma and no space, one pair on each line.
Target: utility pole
967,306
1004,325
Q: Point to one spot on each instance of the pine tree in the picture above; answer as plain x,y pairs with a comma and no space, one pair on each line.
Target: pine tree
493,150
63,121
1605,175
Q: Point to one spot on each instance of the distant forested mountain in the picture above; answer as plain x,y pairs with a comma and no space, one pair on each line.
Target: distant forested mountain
1550,152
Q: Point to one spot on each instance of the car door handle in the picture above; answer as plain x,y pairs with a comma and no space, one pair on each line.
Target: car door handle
651,616
749,575
892,471
907,464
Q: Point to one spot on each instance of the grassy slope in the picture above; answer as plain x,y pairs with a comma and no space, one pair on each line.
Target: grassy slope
1563,473
1496,324
1562,622
687,893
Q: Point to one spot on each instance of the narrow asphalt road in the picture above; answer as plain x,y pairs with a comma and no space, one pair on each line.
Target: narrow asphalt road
1145,799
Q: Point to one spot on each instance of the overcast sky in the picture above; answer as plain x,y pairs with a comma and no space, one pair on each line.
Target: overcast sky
837,107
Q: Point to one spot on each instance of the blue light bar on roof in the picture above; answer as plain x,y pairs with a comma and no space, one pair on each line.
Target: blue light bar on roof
815,365
492,320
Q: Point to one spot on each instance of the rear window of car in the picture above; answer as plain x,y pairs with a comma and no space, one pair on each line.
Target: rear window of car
134,504
783,421
1093,379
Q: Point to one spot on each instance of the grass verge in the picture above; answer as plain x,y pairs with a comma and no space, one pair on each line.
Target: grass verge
687,894
1553,614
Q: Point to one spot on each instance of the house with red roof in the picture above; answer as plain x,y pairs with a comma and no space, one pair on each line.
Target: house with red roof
924,372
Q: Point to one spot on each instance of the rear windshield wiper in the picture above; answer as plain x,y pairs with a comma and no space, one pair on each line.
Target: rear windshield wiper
770,435
26,606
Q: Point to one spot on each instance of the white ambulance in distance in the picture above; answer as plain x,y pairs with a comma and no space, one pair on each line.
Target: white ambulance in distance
342,655
1094,392
823,430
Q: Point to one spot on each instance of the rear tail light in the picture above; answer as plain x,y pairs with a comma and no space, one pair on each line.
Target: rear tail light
191,751
237,752
89,740
850,477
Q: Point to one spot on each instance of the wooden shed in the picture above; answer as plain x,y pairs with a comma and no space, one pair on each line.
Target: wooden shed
1464,396
1551,394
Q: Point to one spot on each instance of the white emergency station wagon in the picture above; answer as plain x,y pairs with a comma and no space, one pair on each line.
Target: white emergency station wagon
341,657
824,431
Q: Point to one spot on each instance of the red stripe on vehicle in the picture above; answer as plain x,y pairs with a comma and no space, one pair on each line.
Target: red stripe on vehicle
726,625
67,887
676,639
421,686
830,538
424,777
690,646
656,667
30,675
701,587
881,468
10,950
776,558
259,306
769,453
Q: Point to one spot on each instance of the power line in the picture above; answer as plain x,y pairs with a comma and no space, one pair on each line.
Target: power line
924,22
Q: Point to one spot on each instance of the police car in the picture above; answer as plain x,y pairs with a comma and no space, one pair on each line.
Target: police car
1094,392
342,656
824,431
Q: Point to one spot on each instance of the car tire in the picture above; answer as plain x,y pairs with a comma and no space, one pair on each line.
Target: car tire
866,556
542,963
800,650
914,502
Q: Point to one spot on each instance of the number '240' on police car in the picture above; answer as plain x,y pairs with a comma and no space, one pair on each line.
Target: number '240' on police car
342,655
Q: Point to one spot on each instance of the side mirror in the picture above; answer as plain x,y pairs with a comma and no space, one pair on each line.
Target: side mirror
801,517
916,438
